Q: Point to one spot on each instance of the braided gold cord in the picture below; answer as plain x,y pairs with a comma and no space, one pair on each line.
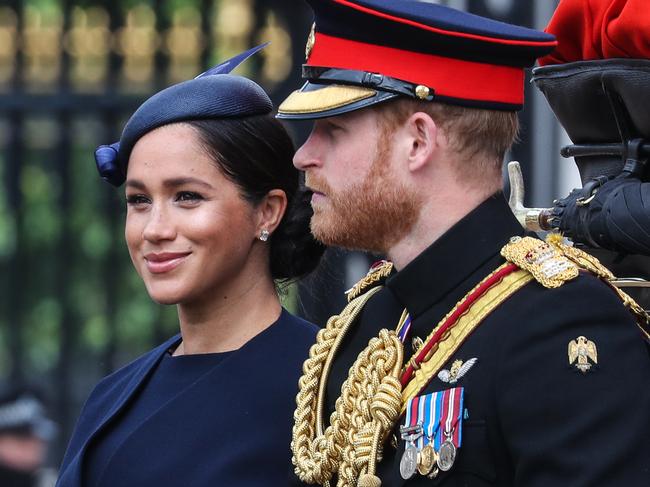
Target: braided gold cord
580,257
315,455
641,315
365,412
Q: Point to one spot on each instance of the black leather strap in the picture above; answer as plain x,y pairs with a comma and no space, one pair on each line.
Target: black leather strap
375,81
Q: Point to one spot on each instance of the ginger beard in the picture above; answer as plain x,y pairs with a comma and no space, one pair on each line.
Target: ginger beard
372,215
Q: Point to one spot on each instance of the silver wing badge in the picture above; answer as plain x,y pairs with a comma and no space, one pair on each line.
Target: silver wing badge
457,370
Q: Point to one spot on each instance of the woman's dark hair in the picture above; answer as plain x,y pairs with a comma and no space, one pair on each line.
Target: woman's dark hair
256,154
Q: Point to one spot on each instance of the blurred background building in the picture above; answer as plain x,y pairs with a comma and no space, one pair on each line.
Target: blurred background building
71,72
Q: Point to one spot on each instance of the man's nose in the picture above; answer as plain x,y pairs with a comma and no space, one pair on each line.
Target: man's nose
307,155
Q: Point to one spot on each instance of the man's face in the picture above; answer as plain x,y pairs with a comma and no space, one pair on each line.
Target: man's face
359,200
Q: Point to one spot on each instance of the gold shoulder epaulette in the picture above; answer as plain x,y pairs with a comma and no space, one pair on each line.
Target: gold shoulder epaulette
375,276
547,263
553,262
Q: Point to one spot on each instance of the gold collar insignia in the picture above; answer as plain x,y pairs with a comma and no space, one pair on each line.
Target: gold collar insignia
377,273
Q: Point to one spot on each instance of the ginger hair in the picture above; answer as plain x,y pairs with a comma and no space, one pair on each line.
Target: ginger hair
480,137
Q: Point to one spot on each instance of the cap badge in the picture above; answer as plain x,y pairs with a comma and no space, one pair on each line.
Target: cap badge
457,370
581,350
422,92
311,40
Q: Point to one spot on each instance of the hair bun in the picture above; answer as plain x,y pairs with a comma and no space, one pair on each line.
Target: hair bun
294,250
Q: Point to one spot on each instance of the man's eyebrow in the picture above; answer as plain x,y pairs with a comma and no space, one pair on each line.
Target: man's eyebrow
169,183
334,123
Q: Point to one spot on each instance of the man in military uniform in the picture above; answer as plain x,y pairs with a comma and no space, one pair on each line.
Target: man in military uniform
479,356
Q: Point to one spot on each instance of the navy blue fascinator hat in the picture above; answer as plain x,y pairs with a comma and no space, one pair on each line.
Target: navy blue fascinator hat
213,94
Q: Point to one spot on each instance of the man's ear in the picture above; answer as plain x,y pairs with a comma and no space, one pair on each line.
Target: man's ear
271,210
422,133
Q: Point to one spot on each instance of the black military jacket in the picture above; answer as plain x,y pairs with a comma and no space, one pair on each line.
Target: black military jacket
533,419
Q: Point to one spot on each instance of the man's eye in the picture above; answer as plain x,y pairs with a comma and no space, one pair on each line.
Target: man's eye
188,196
137,199
333,127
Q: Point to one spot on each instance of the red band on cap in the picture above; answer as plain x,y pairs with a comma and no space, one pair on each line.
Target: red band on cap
467,35
448,77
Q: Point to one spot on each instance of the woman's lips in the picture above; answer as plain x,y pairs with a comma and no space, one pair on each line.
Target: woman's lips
165,261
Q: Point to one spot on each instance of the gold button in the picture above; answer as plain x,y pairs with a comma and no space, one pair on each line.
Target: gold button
422,92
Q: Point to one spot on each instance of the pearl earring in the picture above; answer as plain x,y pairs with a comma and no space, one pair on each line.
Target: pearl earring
264,235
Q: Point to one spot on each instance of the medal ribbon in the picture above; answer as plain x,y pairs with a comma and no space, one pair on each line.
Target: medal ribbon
412,412
451,419
432,420
414,416
404,326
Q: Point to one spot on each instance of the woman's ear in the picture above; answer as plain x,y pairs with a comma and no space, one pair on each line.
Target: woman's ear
271,210
422,135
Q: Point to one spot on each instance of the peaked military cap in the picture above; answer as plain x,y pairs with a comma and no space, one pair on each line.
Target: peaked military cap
215,94
364,52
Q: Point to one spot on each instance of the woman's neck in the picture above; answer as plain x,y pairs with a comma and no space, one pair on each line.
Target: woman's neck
227,320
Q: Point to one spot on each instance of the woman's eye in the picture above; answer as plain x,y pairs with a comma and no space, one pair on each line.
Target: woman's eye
189,196
137,199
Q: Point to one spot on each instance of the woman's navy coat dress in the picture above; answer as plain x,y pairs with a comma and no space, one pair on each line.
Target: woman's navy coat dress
231,427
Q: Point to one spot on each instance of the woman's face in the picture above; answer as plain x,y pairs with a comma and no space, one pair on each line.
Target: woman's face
188,229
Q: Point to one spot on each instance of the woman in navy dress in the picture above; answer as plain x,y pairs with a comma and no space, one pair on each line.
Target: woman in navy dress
214,219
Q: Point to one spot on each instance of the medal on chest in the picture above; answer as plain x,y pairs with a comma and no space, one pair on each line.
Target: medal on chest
432,431
409,461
